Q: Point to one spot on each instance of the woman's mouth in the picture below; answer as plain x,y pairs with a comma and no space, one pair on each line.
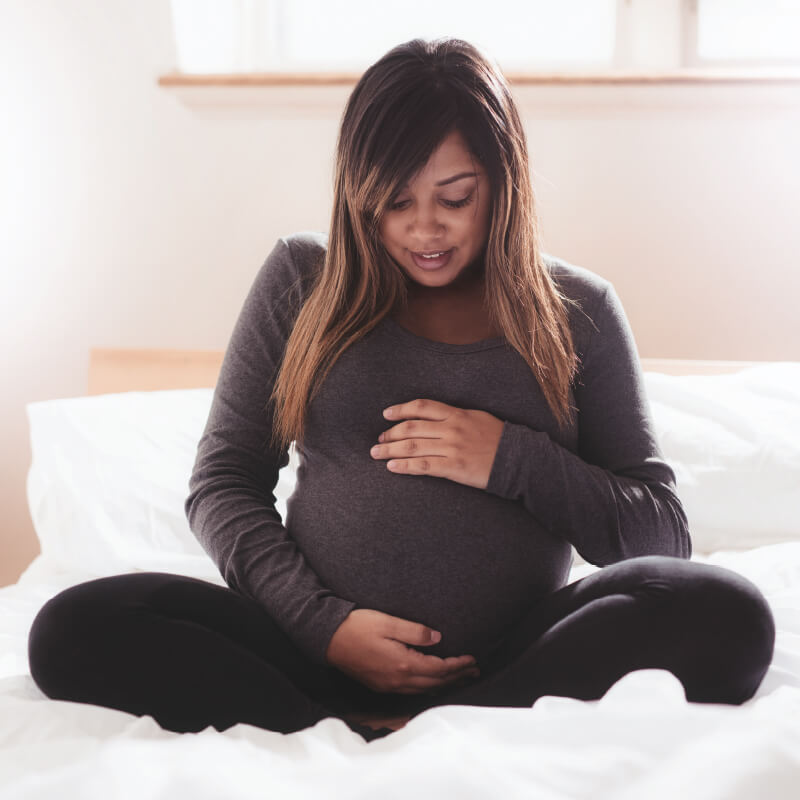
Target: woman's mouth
432,262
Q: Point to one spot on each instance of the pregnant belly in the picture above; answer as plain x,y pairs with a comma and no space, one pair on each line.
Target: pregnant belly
429,550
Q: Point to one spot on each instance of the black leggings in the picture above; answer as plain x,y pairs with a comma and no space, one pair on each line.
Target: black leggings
191,653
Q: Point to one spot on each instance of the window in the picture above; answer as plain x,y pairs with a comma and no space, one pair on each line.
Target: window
317,35
296,36
742,32
529,34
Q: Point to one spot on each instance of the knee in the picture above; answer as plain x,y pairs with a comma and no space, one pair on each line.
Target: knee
725,607
737,628
60,636
740,608
732,608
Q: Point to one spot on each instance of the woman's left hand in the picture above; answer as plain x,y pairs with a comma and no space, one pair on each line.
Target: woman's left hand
441,440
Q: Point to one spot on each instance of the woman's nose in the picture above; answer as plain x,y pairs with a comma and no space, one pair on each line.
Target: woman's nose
426,220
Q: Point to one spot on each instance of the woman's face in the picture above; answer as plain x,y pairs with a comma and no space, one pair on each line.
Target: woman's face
454,216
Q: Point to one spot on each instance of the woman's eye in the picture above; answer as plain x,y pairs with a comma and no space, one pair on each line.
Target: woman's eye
448,203
458,203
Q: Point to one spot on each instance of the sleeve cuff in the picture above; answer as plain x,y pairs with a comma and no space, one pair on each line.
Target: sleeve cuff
315,642
518,445
499,472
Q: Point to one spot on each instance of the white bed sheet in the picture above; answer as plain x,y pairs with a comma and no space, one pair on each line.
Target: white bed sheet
641,740
106,491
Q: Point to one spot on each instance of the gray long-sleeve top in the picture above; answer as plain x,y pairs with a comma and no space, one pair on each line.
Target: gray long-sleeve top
465,561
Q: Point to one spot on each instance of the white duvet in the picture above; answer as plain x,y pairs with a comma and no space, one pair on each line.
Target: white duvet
641,740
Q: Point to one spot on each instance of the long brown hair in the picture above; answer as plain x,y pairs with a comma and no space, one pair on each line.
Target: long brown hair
400,110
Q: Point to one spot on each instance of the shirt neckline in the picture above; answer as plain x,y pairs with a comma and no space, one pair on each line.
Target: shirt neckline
399,332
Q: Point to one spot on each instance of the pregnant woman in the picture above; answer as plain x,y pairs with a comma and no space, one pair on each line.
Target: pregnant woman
466,409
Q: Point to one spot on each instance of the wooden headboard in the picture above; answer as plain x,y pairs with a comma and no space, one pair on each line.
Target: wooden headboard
114,370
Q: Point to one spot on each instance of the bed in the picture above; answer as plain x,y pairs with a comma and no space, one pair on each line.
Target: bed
106,486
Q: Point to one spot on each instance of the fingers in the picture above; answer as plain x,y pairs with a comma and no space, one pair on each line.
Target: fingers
432,672
418,685
425,635
460,676
423,671
424,665
409,632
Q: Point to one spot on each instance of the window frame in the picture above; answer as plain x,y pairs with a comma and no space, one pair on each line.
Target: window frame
682,65
691,59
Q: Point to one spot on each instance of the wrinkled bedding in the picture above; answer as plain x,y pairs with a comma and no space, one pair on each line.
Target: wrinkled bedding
641,740
106,490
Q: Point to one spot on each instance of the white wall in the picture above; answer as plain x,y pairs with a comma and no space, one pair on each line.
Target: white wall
133,217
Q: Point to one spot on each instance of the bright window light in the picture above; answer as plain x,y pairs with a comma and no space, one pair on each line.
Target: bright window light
762,30
516,33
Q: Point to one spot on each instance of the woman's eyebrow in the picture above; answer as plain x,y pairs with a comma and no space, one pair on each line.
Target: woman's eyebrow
452,179
458,178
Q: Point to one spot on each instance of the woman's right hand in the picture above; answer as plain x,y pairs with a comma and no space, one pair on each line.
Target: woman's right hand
370,647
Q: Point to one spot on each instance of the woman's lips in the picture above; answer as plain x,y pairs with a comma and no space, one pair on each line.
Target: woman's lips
431,263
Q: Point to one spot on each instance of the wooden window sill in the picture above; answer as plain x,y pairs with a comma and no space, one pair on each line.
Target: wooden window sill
682,76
